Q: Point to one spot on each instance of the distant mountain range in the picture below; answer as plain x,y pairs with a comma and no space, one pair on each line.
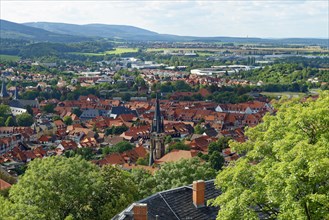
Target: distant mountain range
17,31
61,32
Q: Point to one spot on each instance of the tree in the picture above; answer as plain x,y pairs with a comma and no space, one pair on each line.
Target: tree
116,130
285,172
67,120
198,129
24,119
2,121
118,191
218,145
29,110
215,156
145,180
57,187
168,139
182,173
216,160
49,108
178,146
10,121
122,146
4,110
77,112
12,211
56,117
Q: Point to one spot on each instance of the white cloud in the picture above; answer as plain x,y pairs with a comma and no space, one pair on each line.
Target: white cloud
198,18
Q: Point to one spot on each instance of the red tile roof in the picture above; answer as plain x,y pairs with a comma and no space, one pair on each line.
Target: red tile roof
4,184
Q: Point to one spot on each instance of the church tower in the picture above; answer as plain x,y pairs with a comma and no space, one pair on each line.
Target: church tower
157,149
4,96
15,94
3,93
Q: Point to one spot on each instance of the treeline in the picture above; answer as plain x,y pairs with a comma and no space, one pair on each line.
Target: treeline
285,73
26,49
314,62
72,188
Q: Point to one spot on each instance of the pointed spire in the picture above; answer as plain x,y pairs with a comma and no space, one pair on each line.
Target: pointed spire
157,124
16,93
3,93
151,157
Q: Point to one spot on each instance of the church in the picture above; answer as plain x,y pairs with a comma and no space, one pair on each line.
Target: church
157,148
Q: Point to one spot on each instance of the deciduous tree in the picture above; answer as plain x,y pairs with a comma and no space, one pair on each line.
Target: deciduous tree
285,172
24,119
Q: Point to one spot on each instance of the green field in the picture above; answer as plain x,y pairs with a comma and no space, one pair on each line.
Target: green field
116,51
8,58
202,51
122,50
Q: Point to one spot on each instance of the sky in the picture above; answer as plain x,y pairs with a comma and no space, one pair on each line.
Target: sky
253,18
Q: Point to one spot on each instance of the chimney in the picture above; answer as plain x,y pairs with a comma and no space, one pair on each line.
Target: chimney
140,211
198,193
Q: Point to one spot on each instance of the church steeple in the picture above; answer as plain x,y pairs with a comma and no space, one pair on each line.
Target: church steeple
3,93
157,148
15,94
157,123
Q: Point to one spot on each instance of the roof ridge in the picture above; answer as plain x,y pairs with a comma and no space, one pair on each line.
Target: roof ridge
169,206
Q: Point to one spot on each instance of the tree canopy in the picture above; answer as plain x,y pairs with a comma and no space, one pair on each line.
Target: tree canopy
285,172
24,119
58,187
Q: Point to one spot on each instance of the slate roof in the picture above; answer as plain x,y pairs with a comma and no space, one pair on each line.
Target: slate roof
176,204
20,103
92,113
120,110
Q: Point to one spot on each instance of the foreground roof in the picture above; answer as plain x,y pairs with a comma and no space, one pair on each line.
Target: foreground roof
176,204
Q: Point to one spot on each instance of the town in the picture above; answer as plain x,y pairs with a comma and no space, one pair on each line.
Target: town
102,121
59,127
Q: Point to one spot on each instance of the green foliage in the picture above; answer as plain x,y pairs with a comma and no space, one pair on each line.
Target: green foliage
171,175
2,121
85,153
30,95
15,211
145,181
4,110
214,155
118,148
118,191
57,186
24,119
285,171
218,145
286,76
168,139
69,188
216,160
49,108
10,121
143,161
77,112
29,110
198,129
56,117
67,120
181,86
116,130
179,146
182,173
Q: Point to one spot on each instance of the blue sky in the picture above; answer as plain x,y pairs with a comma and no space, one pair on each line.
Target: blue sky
261,18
